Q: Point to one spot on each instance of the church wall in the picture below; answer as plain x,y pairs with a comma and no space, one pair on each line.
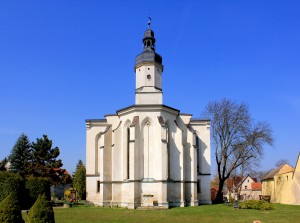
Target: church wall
91,187
93,134
117,154
203,133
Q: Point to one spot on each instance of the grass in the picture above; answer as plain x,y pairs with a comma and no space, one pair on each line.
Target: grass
204,214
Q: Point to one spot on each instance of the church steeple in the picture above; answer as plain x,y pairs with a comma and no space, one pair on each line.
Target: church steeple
148,69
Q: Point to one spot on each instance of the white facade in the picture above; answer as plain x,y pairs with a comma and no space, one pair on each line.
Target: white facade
148,154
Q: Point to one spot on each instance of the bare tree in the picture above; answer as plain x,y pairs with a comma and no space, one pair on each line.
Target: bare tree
236,138
282,162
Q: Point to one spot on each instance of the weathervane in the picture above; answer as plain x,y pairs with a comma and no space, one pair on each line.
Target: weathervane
149,22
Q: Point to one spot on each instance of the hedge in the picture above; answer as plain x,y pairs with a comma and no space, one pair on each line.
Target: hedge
35,186
10,211
11,183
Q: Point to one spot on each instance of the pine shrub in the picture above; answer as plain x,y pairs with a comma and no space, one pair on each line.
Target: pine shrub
10,211
41,211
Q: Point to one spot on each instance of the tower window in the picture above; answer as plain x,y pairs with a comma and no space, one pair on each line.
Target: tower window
198,186
148,68
98,186
148,76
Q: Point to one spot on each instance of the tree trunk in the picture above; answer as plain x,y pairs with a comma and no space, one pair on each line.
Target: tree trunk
219,196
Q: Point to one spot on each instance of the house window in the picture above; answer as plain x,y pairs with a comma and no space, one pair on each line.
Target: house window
245,187
98,186
287,177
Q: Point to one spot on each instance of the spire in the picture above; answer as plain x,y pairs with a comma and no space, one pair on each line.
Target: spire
148,54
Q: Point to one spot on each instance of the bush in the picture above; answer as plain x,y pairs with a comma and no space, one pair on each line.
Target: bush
41,211
10,211
35,186
11,183
256,204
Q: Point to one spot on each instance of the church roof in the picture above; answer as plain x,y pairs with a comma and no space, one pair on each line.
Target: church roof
146,106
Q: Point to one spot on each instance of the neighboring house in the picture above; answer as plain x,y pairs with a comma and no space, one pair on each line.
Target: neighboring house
60,188
247,188
282,184
250,189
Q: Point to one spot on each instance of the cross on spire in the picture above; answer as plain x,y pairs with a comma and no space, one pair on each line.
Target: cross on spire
149,22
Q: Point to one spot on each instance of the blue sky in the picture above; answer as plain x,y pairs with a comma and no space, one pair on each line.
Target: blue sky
62,62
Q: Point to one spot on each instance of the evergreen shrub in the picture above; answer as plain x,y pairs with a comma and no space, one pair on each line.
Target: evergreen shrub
10,211
35,186
256,204
11,183
41,211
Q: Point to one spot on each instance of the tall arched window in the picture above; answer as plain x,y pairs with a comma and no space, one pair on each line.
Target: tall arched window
128,152
168,153
197,154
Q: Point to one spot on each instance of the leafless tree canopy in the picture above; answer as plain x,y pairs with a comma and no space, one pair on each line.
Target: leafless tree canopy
282,162
236,138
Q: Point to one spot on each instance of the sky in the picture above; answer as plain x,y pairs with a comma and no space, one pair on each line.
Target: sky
62,62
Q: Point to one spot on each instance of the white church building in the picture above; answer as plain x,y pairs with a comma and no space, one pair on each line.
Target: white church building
148,154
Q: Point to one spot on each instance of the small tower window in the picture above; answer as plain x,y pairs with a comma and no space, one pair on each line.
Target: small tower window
98,186
148,76
148,68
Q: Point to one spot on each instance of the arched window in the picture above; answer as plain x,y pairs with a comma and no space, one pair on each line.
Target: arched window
128,152
197,154
168,153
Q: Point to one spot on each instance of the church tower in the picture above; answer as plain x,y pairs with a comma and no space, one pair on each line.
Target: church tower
148,69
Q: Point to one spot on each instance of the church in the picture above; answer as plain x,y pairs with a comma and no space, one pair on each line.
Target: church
148,154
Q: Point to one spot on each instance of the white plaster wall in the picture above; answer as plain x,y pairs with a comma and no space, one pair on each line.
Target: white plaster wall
93,132
91,188
113,160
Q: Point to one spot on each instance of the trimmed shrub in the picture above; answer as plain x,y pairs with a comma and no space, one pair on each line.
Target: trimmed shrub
11,183
10,211
35,186
41,211
256,204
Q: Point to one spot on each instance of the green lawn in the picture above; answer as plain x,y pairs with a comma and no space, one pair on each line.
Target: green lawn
203,214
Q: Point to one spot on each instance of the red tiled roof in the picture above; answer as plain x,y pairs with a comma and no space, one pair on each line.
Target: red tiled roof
65,172
256,186
233,181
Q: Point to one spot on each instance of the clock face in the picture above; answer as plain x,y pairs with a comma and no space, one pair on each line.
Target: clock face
148,76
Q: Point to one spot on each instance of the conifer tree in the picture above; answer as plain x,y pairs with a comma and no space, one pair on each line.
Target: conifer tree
20,155
79,180
10,211
44,159
41,211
